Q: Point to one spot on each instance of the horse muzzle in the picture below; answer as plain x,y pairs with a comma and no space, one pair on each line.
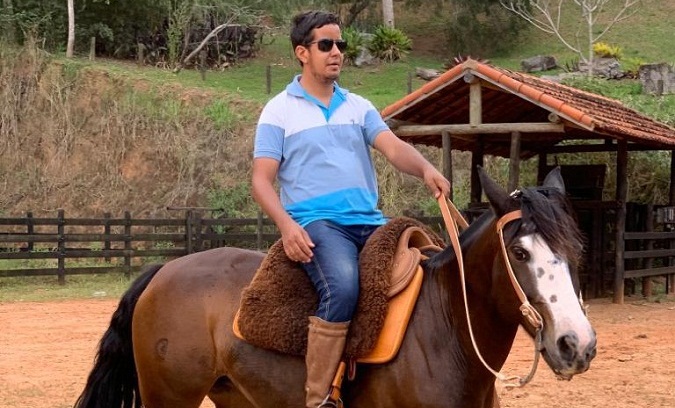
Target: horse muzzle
570,355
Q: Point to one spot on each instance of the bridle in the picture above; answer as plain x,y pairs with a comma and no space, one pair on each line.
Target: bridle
453,218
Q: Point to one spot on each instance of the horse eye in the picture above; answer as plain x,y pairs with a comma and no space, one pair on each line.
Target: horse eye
520,254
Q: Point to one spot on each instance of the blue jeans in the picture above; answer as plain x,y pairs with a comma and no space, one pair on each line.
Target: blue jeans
334,268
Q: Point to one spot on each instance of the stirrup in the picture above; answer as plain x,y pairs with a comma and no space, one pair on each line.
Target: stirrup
328,402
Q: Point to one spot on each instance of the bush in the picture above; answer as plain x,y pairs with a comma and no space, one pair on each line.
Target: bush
604,50
389,44
355,42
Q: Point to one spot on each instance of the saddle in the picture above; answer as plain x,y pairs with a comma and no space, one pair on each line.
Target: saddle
275,307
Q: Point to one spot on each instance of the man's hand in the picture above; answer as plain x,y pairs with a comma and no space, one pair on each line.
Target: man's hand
436,182
297,244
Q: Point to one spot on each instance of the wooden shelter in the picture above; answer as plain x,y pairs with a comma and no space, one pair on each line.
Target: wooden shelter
487,110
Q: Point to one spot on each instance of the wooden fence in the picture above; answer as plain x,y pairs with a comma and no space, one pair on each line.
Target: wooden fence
125,245
650,253
119,244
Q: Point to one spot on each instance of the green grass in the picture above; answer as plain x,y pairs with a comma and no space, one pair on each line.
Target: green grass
47,288
646,36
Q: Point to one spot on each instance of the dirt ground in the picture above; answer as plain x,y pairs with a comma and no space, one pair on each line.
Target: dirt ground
46,351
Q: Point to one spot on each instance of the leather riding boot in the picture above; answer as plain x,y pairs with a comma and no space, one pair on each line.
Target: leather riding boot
325,345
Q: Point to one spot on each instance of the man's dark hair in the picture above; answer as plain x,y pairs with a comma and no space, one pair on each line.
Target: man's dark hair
304,23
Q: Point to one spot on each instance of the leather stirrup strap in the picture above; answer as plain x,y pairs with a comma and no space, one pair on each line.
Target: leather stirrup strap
334,393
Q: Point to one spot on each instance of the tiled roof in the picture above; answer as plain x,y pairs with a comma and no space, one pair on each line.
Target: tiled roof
511,97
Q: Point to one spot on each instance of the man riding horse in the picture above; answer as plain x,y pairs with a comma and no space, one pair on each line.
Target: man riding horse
314,139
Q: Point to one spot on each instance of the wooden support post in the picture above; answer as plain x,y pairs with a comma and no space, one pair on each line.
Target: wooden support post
61,238
476,160
670,279
127,244
514,162
475,103
447,160
621,194
541,167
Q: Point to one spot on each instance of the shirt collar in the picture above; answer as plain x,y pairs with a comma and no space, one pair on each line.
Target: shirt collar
295,89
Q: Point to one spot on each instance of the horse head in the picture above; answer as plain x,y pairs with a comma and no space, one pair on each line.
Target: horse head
543,246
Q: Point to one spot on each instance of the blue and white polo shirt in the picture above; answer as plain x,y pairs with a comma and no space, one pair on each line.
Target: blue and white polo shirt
325,167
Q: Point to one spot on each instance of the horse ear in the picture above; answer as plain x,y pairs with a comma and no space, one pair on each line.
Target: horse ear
498,197
554,180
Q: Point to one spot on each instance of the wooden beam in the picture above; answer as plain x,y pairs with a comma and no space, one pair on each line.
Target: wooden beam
514,161
621,195
670,280
447,160
475,104
476,160
542,163
484,128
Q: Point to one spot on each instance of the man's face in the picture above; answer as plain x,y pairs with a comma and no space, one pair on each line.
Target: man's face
321,58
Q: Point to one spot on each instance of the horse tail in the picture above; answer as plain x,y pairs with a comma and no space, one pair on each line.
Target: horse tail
113,383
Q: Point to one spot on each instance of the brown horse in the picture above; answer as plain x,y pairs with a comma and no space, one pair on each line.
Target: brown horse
170,342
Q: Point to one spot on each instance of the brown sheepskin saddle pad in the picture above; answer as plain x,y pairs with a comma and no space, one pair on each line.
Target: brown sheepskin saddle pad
275,307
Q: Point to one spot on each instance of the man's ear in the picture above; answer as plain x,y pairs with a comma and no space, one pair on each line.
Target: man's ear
302,54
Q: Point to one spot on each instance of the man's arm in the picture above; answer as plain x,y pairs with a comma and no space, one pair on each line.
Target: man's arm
297,244
410,161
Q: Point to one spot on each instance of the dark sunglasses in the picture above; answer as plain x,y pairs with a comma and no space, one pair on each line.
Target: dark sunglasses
326,44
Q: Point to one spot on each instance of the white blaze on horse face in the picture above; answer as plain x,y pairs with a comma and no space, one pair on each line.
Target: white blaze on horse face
553,284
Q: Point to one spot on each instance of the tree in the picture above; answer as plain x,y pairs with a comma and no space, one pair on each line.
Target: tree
547,17
388,13
71,29
7,20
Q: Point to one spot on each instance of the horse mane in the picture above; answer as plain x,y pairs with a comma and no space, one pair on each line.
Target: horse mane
547,211
466,239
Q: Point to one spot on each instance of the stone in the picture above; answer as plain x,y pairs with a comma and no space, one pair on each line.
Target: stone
538,63
657,79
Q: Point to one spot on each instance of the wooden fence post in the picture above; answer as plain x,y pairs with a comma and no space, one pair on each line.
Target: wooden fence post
140,58
197,227
268,77
648,262
30,230
259,231
410,79
127,244
202,64
92,49
189,246
106,231
61,239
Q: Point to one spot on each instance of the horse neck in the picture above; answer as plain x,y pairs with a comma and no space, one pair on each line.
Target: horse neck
488,300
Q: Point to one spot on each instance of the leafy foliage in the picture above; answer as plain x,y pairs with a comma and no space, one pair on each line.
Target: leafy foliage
480,28
389,44
604,50
355,42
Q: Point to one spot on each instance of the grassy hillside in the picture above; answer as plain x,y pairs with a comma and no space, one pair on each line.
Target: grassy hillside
112,136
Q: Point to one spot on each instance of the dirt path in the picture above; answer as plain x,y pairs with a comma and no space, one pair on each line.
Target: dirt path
46,351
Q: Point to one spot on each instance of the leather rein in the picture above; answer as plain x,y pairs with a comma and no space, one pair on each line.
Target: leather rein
453,220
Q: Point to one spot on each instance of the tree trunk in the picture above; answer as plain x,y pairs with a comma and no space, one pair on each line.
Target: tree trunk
9,27
71,29
388,13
